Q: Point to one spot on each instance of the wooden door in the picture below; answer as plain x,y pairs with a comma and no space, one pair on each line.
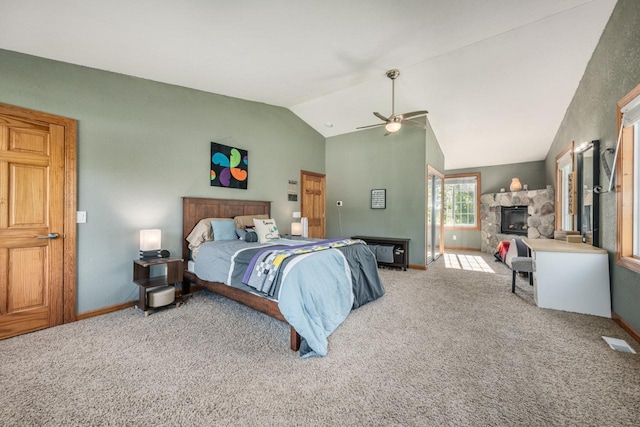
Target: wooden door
312,203
33,223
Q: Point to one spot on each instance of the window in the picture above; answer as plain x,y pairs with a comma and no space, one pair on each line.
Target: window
461,201
627,180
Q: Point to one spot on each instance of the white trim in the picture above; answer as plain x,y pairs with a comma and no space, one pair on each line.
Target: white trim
630,116
631,112
458,181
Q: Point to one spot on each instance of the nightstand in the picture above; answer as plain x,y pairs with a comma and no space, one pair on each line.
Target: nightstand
142,278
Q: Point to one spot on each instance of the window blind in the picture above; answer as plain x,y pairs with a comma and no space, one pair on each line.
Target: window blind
631,112
630,117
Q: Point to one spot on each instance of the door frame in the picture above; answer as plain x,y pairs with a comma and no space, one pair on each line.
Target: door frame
70,196
433,171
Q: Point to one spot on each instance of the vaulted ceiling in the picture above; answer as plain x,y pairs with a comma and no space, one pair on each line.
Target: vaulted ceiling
496,75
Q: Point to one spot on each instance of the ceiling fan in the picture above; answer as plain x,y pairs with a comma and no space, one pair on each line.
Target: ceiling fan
394,122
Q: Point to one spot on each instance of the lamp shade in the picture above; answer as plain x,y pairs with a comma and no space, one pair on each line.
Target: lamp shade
515,185
150,240
296,228
393,126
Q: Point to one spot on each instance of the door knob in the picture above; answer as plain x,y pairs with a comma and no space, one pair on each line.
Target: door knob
49,236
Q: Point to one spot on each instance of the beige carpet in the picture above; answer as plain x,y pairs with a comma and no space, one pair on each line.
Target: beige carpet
443,347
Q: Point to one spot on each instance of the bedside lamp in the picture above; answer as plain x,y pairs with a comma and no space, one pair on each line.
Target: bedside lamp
296,229
150,243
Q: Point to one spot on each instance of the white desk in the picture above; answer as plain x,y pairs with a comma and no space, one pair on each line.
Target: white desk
570,276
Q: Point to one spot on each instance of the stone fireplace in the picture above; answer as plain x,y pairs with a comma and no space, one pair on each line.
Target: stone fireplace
536,207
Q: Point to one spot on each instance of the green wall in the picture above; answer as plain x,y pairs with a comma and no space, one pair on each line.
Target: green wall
612,72
143,145
492,179
499,176
361,161
435,156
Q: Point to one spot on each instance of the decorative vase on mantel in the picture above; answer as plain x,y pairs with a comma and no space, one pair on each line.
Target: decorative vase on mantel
515,185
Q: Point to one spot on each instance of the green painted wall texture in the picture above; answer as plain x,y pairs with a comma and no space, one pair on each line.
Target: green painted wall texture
358,162
612,72
499,176
143,145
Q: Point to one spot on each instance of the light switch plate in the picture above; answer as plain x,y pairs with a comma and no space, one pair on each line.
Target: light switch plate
81,217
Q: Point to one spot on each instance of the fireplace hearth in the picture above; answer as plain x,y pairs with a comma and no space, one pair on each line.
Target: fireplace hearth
514,220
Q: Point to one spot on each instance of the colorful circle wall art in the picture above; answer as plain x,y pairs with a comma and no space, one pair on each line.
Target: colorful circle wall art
229,166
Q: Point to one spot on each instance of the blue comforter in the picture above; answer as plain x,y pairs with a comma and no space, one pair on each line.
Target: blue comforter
315,308
315,291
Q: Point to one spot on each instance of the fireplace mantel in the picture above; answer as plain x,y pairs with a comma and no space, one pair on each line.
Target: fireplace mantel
541,222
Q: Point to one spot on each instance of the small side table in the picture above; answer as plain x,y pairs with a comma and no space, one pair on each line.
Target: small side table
142,278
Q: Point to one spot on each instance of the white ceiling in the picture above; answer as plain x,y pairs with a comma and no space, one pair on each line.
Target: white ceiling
496,75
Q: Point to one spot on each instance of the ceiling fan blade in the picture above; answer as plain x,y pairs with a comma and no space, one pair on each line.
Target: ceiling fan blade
371,126
414,114
414,123
381,117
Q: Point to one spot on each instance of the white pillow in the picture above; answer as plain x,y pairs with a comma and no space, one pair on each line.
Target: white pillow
267,229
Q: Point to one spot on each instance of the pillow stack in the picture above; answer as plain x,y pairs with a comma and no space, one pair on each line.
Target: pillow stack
240,227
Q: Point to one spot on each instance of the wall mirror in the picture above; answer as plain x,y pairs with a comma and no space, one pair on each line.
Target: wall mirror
588,177
565,190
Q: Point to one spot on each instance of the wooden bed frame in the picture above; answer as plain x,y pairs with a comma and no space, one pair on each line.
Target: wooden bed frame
193,210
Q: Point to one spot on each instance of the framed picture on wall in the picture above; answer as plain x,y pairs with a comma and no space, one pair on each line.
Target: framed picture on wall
229,166
379,199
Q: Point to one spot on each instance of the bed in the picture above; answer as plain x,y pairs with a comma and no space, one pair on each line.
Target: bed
195,209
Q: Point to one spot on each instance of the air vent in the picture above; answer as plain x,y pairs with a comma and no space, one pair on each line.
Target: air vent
619,345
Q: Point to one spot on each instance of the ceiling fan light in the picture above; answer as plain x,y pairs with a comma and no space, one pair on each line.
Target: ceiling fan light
393,126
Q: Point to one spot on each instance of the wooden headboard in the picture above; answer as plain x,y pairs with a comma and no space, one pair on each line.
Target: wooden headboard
196,208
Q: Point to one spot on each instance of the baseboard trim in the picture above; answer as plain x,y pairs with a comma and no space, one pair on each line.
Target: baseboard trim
418,267
627,327
111,309
461,248
105,310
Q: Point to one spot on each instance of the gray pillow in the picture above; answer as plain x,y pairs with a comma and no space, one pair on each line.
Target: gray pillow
241,232
251,235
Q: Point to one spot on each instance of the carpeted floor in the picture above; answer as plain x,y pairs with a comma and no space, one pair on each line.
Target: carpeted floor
447,346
